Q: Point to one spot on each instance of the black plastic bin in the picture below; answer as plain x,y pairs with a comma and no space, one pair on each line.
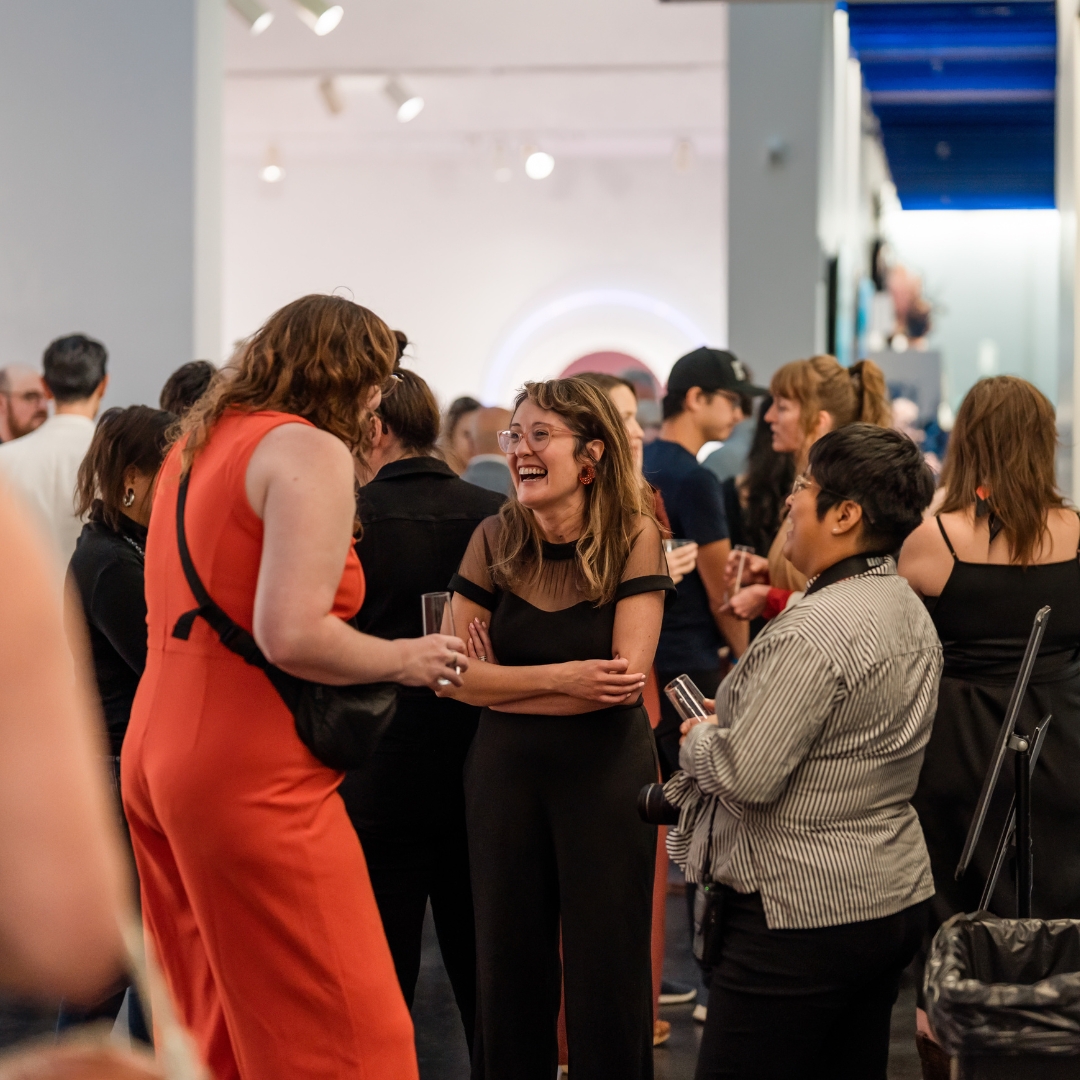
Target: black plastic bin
1003,996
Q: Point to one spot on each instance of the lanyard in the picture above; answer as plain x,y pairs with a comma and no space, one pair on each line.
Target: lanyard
845,568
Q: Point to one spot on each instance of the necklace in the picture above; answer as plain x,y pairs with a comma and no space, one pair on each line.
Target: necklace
141,551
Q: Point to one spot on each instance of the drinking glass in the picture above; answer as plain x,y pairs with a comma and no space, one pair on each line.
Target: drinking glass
438,618
743,550
688,700
671,545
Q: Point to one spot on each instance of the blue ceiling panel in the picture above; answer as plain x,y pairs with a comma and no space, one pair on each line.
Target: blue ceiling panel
964,94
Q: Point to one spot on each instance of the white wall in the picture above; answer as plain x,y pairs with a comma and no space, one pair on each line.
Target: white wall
99,125
460,263
992,276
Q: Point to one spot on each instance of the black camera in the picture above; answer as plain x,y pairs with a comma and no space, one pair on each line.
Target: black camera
654,809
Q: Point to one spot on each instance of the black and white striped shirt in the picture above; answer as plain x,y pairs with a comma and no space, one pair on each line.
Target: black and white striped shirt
808,779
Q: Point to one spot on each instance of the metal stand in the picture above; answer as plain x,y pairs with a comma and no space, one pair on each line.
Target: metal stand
1026,750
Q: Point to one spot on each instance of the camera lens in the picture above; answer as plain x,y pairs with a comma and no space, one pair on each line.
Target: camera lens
653,808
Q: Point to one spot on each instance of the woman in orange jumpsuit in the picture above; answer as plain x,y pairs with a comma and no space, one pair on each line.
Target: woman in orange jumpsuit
254,887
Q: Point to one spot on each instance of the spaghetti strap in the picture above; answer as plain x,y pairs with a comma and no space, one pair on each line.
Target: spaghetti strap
948,542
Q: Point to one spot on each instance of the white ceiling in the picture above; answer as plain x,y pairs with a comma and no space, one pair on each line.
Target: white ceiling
599,78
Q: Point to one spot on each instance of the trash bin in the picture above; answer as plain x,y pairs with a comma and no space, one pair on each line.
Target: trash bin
1003,996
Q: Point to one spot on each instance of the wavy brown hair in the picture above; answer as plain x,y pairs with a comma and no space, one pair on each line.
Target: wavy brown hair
615,503
318,357
1004,441
848,395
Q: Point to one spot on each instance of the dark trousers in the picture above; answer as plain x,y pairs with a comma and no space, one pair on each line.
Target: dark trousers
667,731
409,812
555,840
813,1004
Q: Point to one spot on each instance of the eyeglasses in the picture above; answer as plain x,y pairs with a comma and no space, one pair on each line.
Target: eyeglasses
31,397
802,482
535,440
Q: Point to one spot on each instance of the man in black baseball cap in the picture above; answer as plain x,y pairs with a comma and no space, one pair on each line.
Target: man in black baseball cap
703,404
710,370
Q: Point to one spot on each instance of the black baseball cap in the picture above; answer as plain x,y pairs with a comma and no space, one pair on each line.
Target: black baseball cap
711,370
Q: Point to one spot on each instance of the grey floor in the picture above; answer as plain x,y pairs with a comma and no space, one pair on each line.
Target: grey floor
440,1043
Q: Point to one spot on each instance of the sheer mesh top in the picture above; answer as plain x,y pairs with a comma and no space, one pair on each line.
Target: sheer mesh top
548,621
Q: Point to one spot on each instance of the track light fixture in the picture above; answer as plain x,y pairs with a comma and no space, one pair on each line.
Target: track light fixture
320,16
271,172
253,13
408,105
331,95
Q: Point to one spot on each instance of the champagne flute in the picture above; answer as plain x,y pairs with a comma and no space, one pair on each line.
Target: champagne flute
438,619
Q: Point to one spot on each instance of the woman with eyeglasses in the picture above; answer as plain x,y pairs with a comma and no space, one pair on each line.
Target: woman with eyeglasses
562,595
255,891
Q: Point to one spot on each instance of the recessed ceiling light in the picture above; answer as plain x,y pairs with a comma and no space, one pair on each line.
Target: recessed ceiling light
320,16
408,105
538,165
253,13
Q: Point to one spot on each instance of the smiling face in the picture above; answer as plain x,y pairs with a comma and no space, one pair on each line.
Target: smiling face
548,475
622,397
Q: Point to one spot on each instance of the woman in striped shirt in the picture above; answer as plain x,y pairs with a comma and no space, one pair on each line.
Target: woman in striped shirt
795,797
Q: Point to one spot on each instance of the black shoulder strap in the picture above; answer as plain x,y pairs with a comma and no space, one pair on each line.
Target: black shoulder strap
233,636
1078,540
945,536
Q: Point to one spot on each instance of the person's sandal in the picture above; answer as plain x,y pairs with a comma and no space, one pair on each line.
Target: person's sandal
936,1064
661,1032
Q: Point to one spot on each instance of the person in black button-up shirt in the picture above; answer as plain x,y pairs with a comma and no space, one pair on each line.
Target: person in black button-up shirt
408,804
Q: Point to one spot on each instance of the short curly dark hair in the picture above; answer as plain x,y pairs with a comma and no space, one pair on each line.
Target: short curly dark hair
186,385
880,469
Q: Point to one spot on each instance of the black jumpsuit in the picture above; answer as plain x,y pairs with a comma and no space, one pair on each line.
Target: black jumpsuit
555,839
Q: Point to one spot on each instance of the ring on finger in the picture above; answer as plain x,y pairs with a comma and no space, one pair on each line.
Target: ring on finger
482,658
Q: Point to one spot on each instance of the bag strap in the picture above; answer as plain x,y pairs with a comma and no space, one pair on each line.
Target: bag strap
233,636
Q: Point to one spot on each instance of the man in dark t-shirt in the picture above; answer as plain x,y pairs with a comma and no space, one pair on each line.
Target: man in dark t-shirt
701,405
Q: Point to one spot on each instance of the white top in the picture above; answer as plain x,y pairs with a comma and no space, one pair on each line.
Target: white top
43,467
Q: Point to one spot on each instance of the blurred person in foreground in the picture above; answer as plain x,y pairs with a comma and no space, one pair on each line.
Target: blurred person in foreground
24,402
703,402
417,519
810,398
43,465
186,385
796,795
562,595
254,886
115,493
487,463
453,441
63,882
1003,544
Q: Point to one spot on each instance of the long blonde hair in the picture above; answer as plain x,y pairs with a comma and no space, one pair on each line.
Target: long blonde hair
823,384
319,357
1004,441
615,502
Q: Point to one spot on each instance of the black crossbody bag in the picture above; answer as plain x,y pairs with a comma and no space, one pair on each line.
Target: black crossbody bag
340,725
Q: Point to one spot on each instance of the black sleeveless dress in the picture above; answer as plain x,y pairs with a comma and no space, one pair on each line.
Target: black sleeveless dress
983,617
555,842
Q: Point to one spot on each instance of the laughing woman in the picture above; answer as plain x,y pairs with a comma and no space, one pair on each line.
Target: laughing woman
571,577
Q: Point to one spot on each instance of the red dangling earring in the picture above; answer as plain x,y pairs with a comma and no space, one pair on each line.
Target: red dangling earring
588,475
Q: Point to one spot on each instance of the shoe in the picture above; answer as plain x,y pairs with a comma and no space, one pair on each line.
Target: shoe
661,1032
676,993
936,1064
700,1013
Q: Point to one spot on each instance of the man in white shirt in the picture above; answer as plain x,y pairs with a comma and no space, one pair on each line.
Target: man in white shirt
43,465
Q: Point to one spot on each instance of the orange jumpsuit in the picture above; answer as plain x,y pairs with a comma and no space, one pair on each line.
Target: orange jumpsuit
254,887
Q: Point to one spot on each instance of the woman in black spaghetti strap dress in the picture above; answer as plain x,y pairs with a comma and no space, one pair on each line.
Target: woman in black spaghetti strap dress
571,577
1002,546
